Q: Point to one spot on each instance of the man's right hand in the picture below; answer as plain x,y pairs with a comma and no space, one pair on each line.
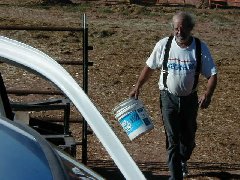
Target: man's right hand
134,93
143,77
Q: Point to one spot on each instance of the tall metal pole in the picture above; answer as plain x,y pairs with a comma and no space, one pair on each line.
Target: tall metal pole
85,86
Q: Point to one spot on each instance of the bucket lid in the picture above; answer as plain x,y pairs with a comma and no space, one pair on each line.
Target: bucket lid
125,103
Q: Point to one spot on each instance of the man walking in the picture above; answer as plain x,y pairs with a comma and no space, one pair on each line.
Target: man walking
181,58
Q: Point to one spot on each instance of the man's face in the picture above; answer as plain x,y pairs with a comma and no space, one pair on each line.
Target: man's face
181,30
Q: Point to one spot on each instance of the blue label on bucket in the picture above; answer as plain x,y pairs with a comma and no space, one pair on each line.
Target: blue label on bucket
142,113
146,121
131,122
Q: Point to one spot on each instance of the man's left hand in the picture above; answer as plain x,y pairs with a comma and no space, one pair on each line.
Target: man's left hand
204,101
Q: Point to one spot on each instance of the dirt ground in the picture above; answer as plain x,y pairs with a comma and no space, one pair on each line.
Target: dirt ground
123,37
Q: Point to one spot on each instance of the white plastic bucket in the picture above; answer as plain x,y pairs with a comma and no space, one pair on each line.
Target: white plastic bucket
133,117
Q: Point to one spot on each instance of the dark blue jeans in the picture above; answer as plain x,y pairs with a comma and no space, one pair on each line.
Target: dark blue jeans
179,118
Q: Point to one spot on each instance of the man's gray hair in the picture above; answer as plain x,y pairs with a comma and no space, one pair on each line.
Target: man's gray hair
187,17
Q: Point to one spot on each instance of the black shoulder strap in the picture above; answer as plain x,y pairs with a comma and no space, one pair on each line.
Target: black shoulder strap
198,59
199,62
165,60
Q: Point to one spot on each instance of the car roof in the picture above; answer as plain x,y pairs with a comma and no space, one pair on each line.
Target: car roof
26,155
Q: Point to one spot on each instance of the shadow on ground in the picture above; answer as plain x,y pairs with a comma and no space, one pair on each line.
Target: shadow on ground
222,171
159,170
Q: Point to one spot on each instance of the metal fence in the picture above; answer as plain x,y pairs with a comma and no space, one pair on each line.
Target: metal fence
49,105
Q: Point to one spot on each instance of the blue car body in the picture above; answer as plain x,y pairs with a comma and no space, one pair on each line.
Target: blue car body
26,155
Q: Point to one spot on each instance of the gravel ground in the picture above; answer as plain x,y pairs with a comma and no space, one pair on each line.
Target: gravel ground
122,37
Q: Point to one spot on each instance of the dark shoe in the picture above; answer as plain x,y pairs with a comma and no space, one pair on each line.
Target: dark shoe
184,169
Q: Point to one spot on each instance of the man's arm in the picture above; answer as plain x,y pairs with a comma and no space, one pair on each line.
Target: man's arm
205,99
143,77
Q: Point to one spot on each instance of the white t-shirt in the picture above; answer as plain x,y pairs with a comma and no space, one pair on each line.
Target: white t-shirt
181,66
